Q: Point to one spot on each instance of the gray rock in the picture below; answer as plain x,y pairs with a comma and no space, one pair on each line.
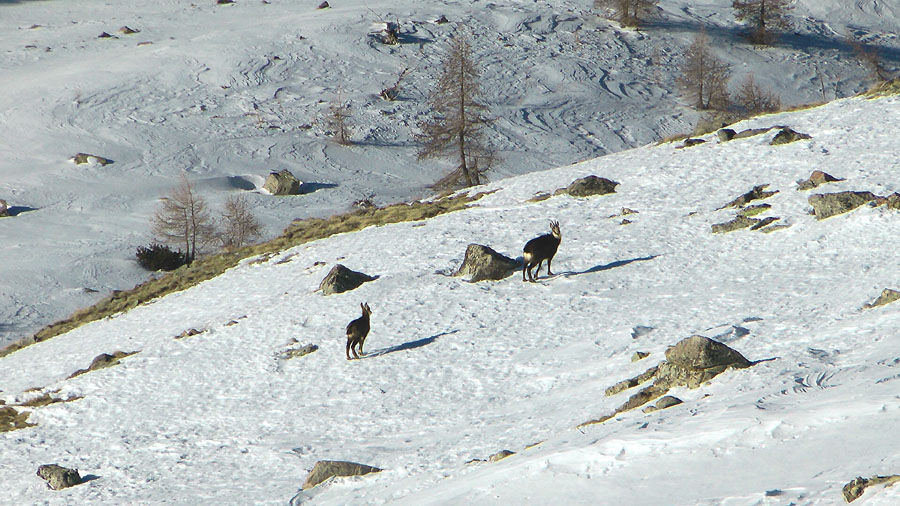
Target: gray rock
886,297
325,469
502,454
786,135
81,158
102,361
726,134
757,193
639,355
826,205
341,279
59,477
750,132
738,223
853,490
483,263
299,352
664,402
282,182
591,185
691,142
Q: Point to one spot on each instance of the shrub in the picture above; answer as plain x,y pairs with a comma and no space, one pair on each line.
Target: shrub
158,257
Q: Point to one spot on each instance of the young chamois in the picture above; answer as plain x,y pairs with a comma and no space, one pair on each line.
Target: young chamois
539,249
357,330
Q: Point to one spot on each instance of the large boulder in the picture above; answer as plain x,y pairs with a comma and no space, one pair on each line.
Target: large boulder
483,263
59,477
282,182
826,205
325,469
341,279
591,185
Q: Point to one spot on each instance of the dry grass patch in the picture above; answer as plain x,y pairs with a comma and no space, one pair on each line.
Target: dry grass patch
884,89
10,419
202,269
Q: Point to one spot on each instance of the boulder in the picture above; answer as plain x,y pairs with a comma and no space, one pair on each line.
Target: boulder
698,353
786,135
726,134
483,263
591,185
886,297
81,158
59,477
341,279
102,361
757,193
817,178
325,469
502,454
691,142
738,223
664,402
857,486
282,183
826,205
323,5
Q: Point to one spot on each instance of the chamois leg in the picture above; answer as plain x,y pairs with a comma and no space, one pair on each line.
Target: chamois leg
361,343
548,267
524,267
349,341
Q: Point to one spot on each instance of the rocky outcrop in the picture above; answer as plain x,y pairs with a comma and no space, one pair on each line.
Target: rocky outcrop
325,469
483,263
59,477
857,486
787,135
282,182
816,179
743,219
591,185
826,205
886,297
102,361
341,279
689,363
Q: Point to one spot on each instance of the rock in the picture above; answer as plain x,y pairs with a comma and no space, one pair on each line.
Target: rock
817,178
691,142
726,134
591,185
664,402
754,210
502,454
102,361
189,333
786,135
323,5
224,2
4,208
81,158
736,224
757,193
282,183
10,419
886,297
856,487
639,355
127,30
104,35
483,263
441,20
764,222
325,469
826,205
299,352
341,279
59,477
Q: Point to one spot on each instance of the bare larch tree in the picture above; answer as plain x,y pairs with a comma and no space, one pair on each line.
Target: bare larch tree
627,12
704,78
458,121
183,219
755,99
766,17
338,120
239,226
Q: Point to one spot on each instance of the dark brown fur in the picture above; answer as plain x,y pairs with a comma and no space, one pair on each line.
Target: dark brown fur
539,249
357,330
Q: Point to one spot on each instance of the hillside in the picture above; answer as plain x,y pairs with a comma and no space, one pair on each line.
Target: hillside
457,371
228,93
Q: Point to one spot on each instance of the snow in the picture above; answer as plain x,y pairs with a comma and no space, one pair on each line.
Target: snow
455,371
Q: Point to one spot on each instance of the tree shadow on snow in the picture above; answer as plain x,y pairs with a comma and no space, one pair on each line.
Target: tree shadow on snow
611,265
418,343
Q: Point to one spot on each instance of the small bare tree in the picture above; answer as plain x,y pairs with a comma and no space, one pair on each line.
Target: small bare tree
755,99
183,219
338,120
766,17
458,121
704,78
627,12
239,226
870,58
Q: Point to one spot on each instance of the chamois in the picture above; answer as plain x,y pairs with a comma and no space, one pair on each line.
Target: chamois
357,330
539,249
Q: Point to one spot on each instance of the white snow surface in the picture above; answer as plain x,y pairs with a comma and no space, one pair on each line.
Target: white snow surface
229,93
457,371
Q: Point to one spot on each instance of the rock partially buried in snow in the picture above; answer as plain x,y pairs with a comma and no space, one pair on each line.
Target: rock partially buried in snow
664,402
502,454
102,361
282,182
483,263
325,469
82,158
853,490
787,135
826,205
341,279
591,185
887,296
816,179
59,477
4,209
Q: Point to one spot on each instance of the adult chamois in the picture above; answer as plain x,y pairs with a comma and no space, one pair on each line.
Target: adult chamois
539,249
357,330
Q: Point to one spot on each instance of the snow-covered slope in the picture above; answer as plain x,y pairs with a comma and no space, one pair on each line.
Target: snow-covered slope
457,371
228,93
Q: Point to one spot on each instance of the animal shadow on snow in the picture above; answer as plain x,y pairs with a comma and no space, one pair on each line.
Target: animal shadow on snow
606,267
411,345
17,210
